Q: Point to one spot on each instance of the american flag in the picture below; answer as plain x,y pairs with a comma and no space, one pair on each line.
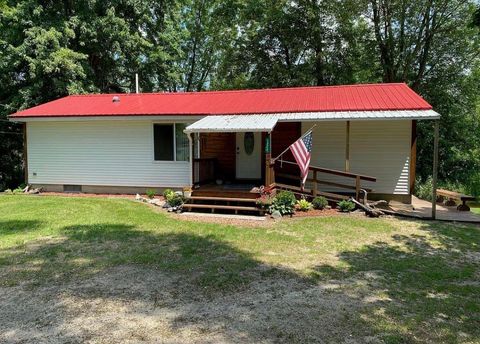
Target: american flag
302,152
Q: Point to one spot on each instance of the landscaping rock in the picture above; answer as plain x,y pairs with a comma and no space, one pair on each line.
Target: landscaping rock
276,215
155,201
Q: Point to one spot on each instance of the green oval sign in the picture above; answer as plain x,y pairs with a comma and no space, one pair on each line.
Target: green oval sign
249,142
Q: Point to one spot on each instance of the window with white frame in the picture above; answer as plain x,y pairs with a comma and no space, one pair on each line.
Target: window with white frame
170,142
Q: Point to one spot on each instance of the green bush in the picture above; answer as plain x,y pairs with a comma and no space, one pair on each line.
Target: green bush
18,191
304,205
319,202
473,185
346,206
423,190
150,193
175,200
284,203
167,193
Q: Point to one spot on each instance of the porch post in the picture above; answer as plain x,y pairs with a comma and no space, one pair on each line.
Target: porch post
192,167
347,148
269,170
435,169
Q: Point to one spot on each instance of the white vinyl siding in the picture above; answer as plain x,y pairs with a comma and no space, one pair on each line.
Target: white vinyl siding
382,149
109,153
377,148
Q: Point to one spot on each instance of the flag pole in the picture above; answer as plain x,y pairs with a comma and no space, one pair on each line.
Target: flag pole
286,150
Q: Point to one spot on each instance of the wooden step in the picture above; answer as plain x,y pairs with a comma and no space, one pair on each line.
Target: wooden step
223,207
221,199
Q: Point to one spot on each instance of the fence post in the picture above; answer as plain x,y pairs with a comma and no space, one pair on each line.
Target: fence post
357,187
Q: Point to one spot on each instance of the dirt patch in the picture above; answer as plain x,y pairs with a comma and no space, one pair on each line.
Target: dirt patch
133,304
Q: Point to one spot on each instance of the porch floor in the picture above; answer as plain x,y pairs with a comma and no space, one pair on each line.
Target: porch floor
423,209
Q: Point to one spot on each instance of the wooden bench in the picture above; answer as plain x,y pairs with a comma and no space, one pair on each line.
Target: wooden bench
452,196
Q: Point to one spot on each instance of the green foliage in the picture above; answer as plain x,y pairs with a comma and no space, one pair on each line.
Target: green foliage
150,193
346,206
423,189
175,200
473,184
319,202
18,191
284,202
264,202
304,205
167,193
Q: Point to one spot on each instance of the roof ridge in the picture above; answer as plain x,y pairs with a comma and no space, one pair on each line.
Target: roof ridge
260,90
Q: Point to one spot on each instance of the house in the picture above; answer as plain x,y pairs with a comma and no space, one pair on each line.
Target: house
364,136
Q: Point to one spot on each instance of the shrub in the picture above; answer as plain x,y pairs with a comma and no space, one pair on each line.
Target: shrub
346,206
319,202
264,202
284,203
167,193
18,191
8,191
150,193
175,200
473,185
423,190
304,205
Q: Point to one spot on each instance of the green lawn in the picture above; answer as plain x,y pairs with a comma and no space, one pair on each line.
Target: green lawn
302,280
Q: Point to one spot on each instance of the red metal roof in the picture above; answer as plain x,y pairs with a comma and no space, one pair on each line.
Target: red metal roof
369,97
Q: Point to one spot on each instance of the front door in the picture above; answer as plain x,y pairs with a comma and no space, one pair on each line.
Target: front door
249,151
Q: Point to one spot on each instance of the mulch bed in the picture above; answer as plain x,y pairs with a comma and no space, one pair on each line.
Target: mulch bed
316,212
87,195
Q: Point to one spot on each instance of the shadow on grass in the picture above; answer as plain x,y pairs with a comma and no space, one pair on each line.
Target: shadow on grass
418,288
12,227
428,285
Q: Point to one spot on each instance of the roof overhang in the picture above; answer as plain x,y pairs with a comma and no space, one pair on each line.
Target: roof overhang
234,124
266,122
358,115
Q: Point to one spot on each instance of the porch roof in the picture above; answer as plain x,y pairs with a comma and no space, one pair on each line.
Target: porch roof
266,122
234,123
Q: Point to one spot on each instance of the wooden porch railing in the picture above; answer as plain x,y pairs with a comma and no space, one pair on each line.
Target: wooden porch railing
204,170
355,186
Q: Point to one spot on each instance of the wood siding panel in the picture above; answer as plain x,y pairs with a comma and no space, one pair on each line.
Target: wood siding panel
116,153
283,135
222,147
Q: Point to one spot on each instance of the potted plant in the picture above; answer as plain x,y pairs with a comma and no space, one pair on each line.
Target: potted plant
187,192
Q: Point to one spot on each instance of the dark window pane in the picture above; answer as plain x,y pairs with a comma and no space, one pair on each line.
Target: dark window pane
163,141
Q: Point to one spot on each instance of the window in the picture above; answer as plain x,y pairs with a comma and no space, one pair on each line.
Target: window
181,143
170,142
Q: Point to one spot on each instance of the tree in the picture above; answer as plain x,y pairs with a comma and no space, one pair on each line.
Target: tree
49,49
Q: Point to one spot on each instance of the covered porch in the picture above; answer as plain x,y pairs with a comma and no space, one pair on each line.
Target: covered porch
235,156
355,153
